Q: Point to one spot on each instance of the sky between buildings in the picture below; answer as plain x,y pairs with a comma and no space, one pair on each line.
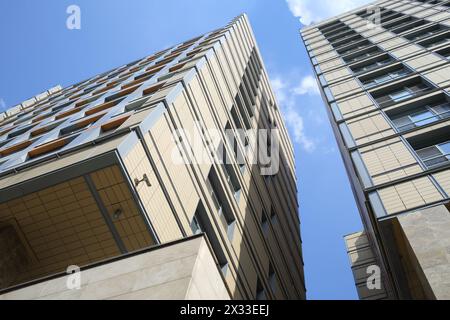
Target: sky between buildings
39,52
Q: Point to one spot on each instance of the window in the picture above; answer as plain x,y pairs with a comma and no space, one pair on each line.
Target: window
272,278
195,226
223,208
420,114
401,95
435,155
264,223
371,65
232,180
423,117
202,223
408,26
436,40
346,49
433,148
372,81
402,24
273,217
260,292
400,92
359,56
426,32
444,52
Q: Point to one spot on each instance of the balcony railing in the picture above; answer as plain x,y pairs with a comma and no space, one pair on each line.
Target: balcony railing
435,160
424,121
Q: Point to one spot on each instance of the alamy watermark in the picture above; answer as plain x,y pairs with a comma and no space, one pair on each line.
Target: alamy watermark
374,277
73,281
206,146
73,21
373,18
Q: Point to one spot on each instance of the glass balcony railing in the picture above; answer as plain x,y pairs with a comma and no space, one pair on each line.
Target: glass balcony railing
425,117
436,155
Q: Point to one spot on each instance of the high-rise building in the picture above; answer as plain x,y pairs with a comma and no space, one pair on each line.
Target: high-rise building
384,75
124,176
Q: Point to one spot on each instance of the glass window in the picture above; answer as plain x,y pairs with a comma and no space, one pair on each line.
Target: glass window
445,149
423,117
195,226
435,155
401,95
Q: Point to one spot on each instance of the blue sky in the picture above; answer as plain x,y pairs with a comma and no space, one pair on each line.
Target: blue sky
39,52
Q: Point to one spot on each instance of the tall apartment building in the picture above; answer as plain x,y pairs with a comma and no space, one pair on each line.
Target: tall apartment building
385,76
90,177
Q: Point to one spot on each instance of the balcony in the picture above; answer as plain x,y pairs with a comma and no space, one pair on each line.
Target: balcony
375,63
384,76
426,32
400,92
436,155
421,116
359,56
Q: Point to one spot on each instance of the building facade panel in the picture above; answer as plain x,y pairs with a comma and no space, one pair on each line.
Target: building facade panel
117,135
384,78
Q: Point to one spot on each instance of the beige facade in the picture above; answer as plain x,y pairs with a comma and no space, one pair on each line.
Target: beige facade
384,74
180,270
90,173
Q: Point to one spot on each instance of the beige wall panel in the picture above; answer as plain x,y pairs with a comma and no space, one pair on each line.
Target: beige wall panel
326,56
323,49
213,94
319,44
424,62
407,51
225,94
230,62
439,77
397,174
446,22
390,158
443,178
369,128
407,6
395,42
153,199
345,88
381,37
438,17
355,105
337,74
334,63
409,195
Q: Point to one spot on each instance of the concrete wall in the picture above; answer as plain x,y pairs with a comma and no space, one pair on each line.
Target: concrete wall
183,270
362,259
428,233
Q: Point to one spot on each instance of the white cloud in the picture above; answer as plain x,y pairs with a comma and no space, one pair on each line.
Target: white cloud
308,85
286,95
309,11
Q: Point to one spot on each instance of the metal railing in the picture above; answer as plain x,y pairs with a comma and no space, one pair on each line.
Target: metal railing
411,94
436,160
437,117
